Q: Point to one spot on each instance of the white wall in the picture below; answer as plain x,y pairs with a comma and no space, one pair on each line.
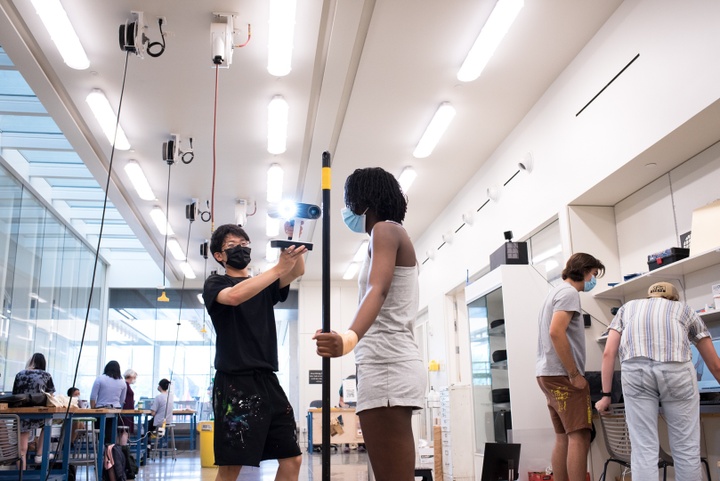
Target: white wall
672,80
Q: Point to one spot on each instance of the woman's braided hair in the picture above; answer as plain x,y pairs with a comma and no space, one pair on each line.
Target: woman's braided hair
377,190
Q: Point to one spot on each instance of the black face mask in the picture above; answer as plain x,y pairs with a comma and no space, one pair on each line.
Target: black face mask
238,257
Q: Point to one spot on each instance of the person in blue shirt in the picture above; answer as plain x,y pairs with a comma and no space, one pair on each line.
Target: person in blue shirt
108,391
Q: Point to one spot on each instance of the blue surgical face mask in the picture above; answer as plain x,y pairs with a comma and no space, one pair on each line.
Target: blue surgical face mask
590,284
355,222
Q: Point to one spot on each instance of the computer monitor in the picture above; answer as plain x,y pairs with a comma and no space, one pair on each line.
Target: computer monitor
499,460
706,381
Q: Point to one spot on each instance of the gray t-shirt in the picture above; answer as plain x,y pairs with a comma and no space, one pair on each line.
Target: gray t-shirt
162,410
563,297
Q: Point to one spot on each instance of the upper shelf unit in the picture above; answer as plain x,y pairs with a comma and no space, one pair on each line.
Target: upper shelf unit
676,270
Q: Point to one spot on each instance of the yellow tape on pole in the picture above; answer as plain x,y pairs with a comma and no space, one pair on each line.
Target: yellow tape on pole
326,178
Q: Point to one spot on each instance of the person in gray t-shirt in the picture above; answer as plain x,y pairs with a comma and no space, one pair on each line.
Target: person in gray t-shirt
162,406
560,366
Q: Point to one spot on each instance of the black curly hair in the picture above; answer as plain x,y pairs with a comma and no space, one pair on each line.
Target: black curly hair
377,190
218,237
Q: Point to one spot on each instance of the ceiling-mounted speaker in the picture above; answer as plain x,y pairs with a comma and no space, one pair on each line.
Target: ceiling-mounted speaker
131,34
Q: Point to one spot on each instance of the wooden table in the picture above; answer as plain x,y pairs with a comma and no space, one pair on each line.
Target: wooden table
47,414
348,419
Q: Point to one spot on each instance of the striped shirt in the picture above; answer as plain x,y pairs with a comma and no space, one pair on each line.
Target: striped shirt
658,329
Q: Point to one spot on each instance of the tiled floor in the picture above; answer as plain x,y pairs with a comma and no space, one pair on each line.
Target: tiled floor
344,467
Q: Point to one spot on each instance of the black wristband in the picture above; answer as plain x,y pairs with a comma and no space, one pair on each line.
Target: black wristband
606,394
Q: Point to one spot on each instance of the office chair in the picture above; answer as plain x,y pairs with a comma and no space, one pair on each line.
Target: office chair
9,441
617,442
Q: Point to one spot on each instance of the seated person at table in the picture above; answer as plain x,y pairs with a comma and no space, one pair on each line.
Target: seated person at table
162,406
74,392
349,404
32,380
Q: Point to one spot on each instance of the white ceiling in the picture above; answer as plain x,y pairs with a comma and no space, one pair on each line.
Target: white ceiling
366,78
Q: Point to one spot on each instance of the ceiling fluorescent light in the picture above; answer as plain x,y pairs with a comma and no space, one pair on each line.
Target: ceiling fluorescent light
201,299
351,271
492,33
107,119
62,33
139,181
277,125
437,127
158,216
280,36
274,183
174,247
272,226
406,179
187,270
362,252
271,253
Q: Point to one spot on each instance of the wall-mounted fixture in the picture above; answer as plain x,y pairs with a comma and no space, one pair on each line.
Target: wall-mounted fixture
527,163
493,192
221,38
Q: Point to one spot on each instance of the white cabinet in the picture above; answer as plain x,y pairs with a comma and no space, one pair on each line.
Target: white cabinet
457,430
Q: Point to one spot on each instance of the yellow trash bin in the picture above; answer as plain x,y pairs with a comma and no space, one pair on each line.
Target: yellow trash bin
207,449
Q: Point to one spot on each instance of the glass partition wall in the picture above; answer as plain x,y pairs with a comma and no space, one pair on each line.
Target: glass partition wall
45,291
489,368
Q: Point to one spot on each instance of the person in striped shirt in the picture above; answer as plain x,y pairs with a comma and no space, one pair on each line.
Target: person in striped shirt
652,336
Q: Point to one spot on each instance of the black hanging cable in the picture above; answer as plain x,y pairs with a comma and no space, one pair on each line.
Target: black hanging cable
163,297
177,331
95,263
160,44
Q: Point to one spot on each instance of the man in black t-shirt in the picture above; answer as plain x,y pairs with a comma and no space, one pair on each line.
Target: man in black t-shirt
254,420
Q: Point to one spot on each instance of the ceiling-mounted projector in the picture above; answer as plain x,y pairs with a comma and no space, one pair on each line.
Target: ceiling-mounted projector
132,34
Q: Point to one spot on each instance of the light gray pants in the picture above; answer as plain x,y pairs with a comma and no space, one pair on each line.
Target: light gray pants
645,383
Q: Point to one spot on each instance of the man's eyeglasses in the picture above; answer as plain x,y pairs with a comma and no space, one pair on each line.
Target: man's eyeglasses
230,245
